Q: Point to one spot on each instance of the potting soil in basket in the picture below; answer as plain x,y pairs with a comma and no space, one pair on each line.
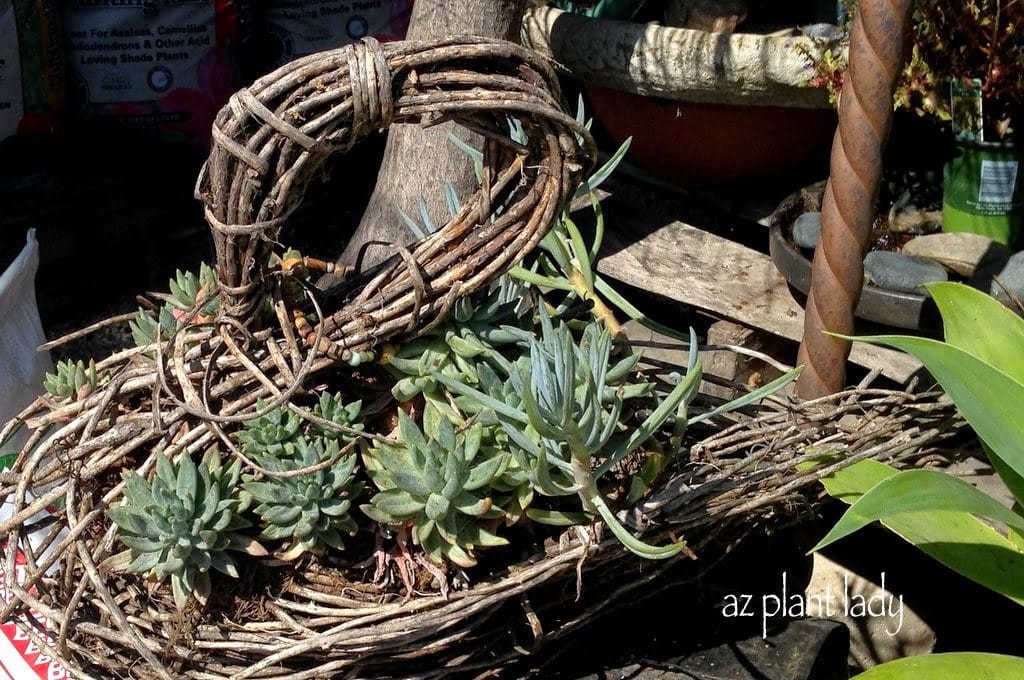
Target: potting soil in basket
286,29
162,65
32,68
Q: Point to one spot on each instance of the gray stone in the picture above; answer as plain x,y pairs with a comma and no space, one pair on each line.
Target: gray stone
807,230
1012,277
959,252
823,31
902,273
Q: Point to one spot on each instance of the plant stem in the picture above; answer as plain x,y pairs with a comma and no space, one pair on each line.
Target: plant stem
601,311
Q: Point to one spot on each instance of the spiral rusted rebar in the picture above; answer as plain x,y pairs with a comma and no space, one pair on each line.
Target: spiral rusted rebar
848,207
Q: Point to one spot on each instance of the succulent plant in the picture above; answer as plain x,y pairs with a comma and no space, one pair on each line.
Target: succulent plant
182,523
436,486
271,431
309,511
332,408
72,380
564,430
478,327
185,289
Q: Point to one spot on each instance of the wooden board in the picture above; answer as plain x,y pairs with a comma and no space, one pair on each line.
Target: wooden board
726,278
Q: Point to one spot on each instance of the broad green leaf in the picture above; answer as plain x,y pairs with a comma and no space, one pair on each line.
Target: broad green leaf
979,324
988,398
915,491
949,666
958,540
1013,481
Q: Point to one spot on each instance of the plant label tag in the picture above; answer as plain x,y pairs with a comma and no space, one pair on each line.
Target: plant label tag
997,182
966,106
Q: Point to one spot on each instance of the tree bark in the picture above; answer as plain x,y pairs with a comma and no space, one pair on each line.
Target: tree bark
417,161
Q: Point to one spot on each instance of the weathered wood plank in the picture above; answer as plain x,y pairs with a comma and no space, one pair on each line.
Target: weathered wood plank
707,271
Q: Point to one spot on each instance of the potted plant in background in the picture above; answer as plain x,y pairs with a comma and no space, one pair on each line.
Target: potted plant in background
965,72
976,50
710,91
952,165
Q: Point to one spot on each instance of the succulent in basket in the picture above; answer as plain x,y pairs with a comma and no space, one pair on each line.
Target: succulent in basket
310,512
269,432
437,484
181,524
331,407
478,327
186,290
566,431
72,380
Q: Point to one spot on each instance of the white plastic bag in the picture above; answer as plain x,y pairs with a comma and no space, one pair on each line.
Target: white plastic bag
21,379
22,368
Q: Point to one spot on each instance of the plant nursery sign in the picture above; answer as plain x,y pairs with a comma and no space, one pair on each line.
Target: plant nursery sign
286,29
163,63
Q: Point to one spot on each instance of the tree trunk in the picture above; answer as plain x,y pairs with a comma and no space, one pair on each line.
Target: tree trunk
418,162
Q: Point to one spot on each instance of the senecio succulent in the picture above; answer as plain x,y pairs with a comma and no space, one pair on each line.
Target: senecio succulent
72,380
309,511
182,523
437,486
560,410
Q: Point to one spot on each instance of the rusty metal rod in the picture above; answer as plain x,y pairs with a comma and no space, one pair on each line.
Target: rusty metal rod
877,42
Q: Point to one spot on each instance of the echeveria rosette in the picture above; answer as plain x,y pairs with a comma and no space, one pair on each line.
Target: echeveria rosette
182,523
458,348
310,512
269,432
437,486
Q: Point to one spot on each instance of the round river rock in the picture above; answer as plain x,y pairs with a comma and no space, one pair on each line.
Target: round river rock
807,230
1011,276
902,273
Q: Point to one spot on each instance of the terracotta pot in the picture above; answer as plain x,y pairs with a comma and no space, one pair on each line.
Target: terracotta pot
708,144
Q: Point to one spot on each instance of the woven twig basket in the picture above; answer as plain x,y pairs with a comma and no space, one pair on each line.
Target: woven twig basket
190,391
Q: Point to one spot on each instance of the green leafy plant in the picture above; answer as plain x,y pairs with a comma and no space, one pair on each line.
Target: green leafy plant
981,367
562,416
182,523
73,380
186,290
567,418
309,511
478,328
948,666
437,484
953,41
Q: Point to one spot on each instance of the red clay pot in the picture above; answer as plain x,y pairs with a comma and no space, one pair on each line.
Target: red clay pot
712,144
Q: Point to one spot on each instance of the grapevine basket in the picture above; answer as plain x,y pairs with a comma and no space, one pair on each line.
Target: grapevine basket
319,618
